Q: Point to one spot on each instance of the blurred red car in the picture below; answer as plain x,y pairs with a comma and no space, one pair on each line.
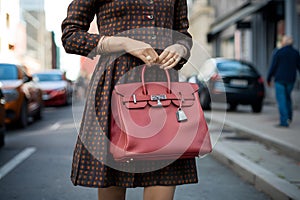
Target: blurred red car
57,90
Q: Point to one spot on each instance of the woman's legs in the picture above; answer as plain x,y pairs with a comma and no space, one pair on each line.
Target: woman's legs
150,193
159,193
111,193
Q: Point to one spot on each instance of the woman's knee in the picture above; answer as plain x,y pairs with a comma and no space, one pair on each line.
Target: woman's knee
159,193
111,193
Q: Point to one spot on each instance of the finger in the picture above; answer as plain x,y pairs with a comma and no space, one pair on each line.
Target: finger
172,64
162,57
170,60
151,55
168,57
143,58
142,53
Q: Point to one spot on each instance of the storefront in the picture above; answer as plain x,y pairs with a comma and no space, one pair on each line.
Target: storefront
252,31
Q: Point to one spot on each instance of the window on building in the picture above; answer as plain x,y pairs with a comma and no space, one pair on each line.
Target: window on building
7,20
11,47
227,47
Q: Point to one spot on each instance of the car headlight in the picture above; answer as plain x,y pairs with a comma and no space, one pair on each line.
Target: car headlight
11,95
2,101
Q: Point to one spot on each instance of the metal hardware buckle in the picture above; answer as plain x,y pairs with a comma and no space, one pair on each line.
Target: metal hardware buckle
134,99
157,98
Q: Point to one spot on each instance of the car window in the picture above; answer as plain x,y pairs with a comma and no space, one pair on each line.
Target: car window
8,72
235,67
47,77
192,79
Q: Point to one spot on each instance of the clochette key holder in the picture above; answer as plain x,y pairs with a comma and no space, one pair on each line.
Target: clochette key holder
157,121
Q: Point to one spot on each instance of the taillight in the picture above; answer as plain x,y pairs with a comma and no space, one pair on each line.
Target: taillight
216,77
260,80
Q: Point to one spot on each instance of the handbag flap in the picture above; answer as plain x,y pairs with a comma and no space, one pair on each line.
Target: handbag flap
132,105
132,96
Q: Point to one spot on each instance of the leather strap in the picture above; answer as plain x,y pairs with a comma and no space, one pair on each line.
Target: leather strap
144,85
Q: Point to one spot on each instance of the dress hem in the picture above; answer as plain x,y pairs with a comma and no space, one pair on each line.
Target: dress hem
134,186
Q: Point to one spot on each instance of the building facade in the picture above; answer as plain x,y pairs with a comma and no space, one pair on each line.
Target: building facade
39,46
23,35
12,31
201,15
251,29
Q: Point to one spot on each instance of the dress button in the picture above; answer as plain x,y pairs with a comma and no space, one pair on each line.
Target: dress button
153,37
150,16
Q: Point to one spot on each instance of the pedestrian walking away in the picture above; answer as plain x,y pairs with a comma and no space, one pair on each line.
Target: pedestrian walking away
284,66
131,33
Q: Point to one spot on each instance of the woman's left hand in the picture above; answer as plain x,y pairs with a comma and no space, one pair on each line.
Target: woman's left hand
170,57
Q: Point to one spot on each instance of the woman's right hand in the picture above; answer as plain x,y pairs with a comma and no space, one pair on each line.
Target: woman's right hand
141,50
137,48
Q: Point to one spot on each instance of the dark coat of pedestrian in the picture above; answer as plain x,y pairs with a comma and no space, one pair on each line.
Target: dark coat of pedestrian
131,33
284,66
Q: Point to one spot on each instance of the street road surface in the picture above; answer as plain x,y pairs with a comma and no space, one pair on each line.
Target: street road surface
35,165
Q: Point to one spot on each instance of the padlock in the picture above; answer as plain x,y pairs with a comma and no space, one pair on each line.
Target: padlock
181,117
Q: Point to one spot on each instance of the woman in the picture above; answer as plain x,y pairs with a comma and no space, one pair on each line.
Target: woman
131,33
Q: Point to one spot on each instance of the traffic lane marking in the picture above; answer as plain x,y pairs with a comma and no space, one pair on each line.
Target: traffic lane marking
55,126
14,162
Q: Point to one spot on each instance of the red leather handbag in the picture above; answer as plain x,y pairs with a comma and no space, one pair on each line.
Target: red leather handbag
157,121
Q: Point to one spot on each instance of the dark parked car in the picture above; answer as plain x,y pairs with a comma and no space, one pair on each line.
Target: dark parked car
232,81
2,118
22,95
57,90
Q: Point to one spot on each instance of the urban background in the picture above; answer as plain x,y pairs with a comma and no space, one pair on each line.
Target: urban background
24,36
246,29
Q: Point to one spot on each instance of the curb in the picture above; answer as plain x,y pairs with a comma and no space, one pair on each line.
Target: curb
263,180
281,146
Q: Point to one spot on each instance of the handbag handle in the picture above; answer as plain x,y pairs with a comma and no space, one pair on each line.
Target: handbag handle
143,80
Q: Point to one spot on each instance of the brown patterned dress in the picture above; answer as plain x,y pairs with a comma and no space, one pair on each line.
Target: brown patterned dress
151,21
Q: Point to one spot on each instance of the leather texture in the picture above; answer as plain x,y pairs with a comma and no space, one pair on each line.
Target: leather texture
144,123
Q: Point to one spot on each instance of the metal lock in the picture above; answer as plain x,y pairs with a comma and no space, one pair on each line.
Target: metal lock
181,117
158,98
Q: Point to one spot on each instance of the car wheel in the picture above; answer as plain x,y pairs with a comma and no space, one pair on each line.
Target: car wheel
38,115
2,139
233,106
23,119
257,107
68,99
205,100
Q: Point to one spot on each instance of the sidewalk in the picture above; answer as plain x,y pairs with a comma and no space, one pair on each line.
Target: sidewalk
264,155
261,127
